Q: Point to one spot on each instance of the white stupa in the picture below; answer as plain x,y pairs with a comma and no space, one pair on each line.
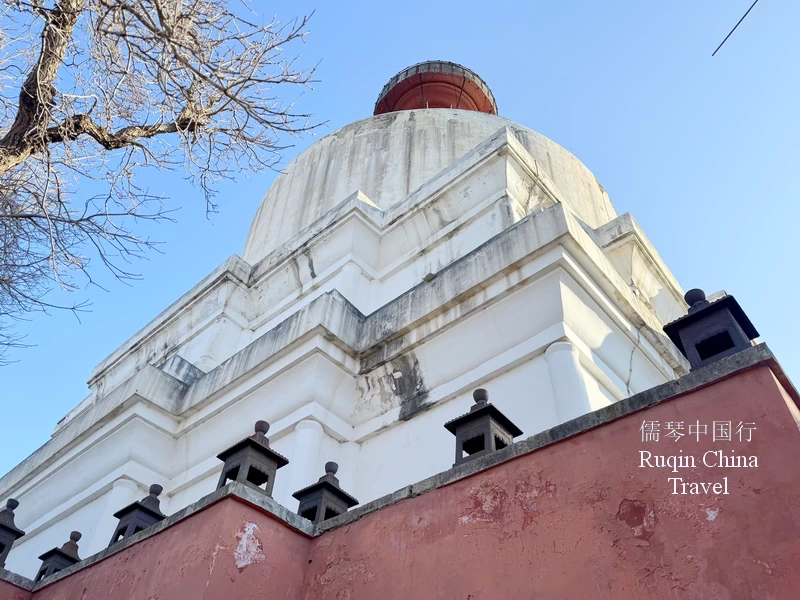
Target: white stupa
395,266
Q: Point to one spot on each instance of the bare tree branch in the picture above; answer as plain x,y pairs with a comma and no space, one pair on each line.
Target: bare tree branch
93,92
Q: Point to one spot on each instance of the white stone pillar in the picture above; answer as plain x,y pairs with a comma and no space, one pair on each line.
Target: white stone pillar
123,492
307,446
566,377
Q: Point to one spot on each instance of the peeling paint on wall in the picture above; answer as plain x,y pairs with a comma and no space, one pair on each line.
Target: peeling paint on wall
342,572
249,550
486,503
640,516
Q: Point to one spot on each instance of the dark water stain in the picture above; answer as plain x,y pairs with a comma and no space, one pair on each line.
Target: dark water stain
409,386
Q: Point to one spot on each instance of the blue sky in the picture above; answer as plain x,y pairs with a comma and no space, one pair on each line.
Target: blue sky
702,151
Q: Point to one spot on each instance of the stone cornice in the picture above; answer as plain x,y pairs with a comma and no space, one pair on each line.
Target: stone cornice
148,385
234,269
624,227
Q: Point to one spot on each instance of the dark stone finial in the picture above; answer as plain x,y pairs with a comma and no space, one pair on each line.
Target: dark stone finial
480,396
138,516
694,296
58,559
324,499
251,461
70,547
9,532
482,430
711,330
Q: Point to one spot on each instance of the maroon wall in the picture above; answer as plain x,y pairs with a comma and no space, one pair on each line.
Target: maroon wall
574,520
201,558
12,592
579,519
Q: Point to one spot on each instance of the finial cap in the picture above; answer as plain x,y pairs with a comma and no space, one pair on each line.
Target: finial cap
262,427
155,490
75,536
331,468
12,504
694,296
480,395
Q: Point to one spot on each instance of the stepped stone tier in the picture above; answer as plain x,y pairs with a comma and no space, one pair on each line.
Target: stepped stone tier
396,265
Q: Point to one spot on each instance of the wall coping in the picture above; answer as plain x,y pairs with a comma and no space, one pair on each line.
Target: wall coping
17,580
235,490
753,357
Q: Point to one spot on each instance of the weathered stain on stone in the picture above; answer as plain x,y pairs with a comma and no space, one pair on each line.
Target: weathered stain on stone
409,387
398,383
310,264
640,516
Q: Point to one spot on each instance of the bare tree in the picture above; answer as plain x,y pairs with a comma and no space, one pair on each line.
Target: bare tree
94,91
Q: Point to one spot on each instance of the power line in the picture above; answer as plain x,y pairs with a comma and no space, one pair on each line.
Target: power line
734,27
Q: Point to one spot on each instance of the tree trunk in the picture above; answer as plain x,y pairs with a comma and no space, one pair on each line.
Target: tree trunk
27,134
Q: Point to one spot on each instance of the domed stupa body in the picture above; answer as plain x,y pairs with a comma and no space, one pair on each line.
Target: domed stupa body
393,267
